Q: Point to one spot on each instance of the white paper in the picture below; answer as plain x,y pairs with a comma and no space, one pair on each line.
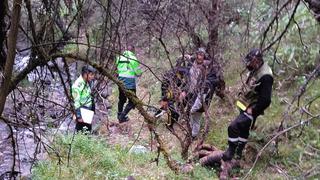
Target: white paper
87,115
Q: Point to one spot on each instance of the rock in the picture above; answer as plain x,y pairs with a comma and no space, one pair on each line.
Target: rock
27,177
53,115
130,178
1,156
26,134
187,168
138,149
67,125
9,175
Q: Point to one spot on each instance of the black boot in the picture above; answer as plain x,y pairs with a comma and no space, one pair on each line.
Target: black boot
126,111
119,115
174,117
122,117
229,153
241,146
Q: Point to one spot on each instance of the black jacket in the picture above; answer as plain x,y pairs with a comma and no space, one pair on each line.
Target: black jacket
210,83
264,92
172,79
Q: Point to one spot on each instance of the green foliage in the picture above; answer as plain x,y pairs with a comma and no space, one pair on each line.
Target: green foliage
92,158
89,158
300,154
298,48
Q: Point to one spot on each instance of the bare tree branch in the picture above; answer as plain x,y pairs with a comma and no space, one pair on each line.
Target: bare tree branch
11,52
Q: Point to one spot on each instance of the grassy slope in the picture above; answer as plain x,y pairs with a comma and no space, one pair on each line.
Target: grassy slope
94,159
296,154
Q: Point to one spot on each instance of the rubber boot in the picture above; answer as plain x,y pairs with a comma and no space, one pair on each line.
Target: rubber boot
229,153
118,116
241,146
122,117
126,111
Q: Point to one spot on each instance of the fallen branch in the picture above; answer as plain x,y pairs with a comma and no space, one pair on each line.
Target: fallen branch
275,137
299,94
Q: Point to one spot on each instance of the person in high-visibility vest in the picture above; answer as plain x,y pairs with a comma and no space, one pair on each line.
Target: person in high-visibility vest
128,70
82,96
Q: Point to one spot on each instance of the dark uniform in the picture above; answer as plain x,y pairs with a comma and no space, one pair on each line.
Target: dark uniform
258,99
173,81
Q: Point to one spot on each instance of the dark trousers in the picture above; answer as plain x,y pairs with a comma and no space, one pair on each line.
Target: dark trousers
122,100
239,128
173,114
80,125
83,127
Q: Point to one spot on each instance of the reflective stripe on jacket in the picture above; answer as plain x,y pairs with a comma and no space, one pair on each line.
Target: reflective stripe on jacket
128,65
81,93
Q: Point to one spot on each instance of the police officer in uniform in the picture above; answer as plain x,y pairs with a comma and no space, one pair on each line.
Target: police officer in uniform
82,96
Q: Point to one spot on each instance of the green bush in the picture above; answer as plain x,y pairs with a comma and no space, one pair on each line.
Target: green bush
90,158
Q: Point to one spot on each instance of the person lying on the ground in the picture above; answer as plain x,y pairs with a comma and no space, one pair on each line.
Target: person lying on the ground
210,156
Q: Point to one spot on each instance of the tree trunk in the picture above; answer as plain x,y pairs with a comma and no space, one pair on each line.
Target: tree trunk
213,45
3,10
196,40
13,33
213,29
